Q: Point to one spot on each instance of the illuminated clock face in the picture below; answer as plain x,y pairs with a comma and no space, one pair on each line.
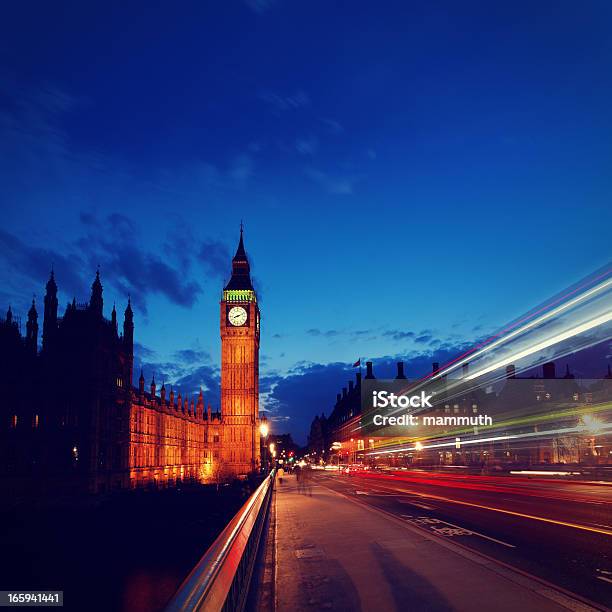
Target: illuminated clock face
237,316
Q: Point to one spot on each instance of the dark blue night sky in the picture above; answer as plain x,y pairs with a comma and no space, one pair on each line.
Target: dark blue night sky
410,175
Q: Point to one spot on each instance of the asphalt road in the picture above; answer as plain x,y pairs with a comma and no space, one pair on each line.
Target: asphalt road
556,530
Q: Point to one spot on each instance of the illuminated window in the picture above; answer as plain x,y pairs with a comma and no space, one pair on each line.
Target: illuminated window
35,421
119,382
14,421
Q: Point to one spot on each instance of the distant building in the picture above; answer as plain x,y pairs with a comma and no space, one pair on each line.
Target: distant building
528,412
71,421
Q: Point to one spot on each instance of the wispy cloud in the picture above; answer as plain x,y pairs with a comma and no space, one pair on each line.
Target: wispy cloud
241,169
190,356
338,185
110,242
396,334
333,126
282,103
215,257
307,146
260,6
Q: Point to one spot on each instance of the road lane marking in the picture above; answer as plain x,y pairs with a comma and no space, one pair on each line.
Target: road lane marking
452,529
521,514
482,535
413,503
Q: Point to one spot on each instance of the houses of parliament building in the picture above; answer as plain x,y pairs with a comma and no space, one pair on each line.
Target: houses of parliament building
72,422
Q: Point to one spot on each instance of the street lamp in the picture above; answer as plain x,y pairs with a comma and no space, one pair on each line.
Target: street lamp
263,432
591,423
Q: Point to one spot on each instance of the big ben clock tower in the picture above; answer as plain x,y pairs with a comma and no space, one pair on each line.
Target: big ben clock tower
240,368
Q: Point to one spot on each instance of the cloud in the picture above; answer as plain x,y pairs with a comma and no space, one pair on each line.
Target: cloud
142,352
129,268
337,185
260,6
294,399
215,256
313,331
241,169
33,265
184,375
112,243
333,126
282,103
206,377
310,388
423,339
30,125
306,146
398,335
191,356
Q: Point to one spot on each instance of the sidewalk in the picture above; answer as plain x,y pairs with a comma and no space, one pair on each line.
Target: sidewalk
335,554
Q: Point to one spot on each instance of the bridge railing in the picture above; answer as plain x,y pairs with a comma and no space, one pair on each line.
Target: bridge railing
221,579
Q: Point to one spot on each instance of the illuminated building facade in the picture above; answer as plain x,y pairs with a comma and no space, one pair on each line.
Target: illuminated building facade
538,420
71,420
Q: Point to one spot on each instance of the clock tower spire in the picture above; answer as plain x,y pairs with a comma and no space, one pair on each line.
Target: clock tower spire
240,367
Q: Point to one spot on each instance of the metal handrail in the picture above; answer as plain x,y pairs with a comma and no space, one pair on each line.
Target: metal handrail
220,580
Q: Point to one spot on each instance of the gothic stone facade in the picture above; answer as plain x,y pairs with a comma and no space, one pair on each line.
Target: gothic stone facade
72,422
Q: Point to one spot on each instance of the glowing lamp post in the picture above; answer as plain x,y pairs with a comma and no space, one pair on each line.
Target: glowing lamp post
593,426
263,432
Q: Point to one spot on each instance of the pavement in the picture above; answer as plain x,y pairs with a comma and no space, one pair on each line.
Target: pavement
558,531
333,553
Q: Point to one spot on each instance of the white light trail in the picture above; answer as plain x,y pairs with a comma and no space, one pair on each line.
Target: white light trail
591,292
574,331
534,434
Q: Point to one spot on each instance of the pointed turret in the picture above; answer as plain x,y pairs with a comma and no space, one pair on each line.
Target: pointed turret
241,271
153,387
96,303
50,311
32,330
162,392
9,316
128,337
141,382
114,318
